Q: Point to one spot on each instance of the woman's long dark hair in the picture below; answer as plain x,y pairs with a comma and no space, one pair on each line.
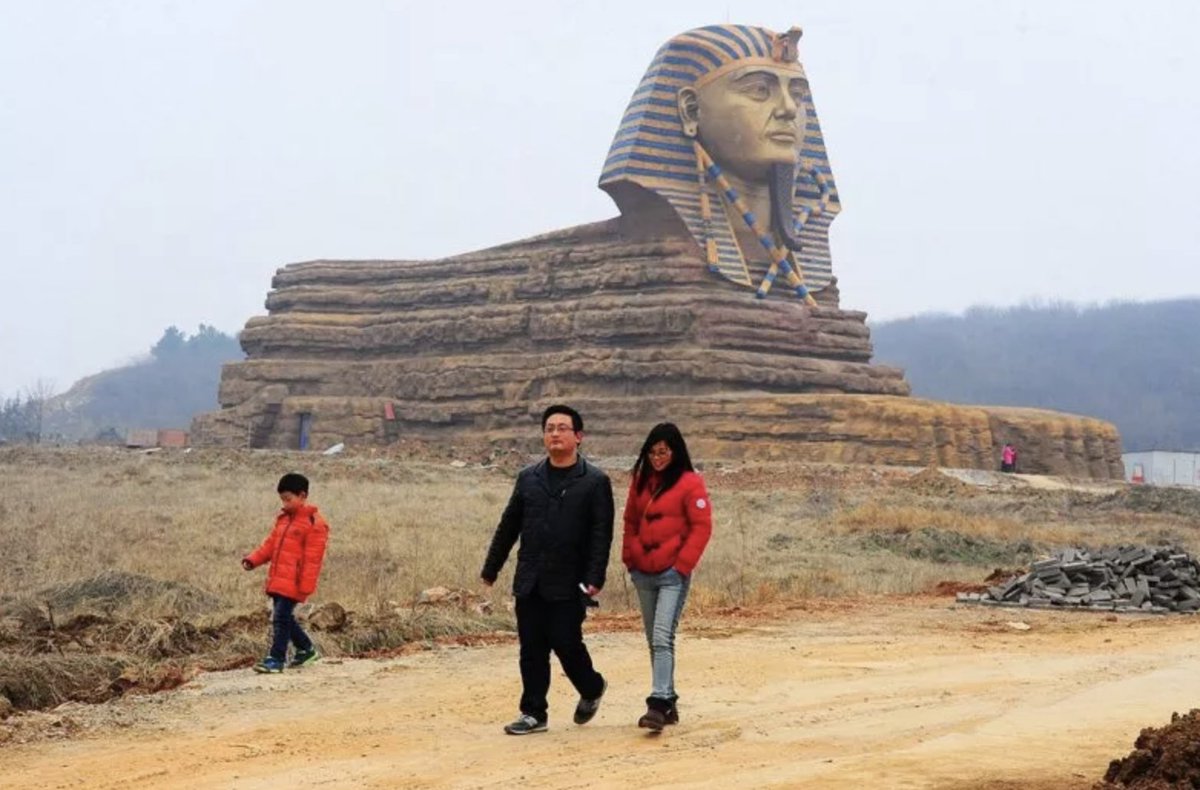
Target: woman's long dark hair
681,462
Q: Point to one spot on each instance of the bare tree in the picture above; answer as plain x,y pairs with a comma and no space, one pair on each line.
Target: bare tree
36,397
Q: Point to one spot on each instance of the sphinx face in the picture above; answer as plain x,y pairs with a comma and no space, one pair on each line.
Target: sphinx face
749,119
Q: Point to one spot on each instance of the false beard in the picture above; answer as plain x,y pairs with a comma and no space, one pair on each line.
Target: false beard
783,218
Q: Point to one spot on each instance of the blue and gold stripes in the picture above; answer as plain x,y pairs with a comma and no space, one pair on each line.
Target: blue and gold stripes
651,150
779,255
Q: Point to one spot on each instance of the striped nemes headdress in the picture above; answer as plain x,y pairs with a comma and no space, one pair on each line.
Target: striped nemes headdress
651,150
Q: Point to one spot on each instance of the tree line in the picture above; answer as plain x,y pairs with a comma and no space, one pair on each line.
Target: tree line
173,382
1133,364
23,416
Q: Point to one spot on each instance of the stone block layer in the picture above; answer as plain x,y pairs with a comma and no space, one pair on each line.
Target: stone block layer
630,331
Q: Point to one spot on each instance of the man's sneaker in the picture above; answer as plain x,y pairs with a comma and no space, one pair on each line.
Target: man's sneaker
673,714
524,725
587,708
303,658
269,666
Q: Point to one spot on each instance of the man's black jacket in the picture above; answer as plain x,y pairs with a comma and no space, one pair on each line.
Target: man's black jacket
566,532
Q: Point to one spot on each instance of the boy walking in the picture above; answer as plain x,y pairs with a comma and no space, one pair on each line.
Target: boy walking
295,549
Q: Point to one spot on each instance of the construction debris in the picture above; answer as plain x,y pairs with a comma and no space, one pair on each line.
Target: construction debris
1162,757
1157,579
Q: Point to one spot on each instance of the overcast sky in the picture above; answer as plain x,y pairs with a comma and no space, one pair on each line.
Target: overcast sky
159,160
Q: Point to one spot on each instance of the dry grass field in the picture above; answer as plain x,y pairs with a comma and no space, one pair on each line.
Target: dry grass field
121,569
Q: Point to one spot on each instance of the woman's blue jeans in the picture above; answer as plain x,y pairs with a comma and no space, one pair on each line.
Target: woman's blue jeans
661,596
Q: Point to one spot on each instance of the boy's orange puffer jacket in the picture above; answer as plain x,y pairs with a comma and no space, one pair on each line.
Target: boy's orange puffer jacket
669,530
295,548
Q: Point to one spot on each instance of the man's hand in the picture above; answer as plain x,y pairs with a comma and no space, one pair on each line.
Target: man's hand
591,590
486,583
246,564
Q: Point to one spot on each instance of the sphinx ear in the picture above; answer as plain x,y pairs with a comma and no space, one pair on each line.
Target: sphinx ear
689,111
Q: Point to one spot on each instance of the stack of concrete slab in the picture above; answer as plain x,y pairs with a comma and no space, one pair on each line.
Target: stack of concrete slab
1159,579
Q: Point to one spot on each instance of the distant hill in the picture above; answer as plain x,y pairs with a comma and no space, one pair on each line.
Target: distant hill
1136,365
177,380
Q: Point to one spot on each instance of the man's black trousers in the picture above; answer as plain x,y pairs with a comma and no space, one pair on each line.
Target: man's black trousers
544,626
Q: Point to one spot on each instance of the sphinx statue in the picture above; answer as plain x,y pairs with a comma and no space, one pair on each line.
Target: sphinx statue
710,301
722,129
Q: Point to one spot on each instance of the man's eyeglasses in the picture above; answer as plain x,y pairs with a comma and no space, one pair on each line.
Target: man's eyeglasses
559,429
659,454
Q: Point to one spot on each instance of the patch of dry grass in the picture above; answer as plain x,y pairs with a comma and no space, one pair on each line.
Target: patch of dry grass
30,682
889,516
401,527
190,522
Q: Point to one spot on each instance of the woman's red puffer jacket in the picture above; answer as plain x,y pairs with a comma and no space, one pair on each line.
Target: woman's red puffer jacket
667,530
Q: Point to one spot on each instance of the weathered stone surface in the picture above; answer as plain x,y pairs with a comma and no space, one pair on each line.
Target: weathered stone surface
331,616
632,331
826,428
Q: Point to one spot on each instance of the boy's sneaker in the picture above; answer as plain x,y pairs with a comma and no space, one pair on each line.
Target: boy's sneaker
269,666
587,708
303,658
524,725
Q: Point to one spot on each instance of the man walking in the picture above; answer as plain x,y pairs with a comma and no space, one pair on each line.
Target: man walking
561,508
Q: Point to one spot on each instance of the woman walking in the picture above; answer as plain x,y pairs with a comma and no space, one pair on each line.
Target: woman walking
668,521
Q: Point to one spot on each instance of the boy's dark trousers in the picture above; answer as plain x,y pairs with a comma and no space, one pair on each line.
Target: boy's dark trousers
543,626
285,628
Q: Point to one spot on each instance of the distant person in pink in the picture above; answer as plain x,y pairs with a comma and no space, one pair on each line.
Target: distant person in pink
1008,458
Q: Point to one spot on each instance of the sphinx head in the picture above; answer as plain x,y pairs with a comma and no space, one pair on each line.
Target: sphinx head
739,96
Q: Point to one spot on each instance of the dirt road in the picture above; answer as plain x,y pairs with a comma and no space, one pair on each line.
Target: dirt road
913,693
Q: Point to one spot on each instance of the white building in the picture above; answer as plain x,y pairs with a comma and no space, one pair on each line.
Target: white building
1163,468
